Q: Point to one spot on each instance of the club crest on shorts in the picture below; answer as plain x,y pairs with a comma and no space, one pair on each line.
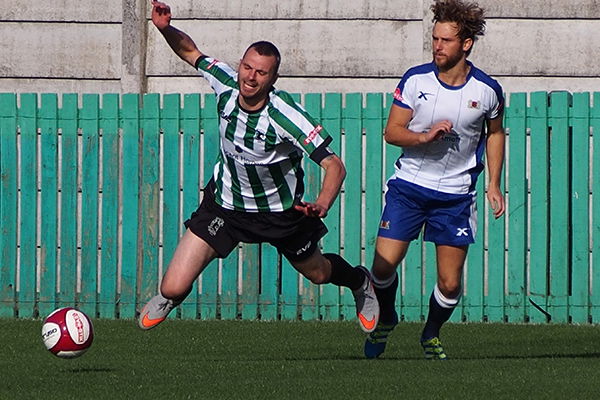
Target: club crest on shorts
384,224
215,225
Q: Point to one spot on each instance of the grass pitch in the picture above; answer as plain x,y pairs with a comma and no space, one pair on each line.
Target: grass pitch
301,360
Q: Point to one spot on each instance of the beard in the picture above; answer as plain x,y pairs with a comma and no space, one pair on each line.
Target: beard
447,62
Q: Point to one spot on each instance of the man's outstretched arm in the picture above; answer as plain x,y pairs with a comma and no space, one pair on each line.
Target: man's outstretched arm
179,41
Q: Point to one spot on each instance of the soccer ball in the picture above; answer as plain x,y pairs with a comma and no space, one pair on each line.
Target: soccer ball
67,332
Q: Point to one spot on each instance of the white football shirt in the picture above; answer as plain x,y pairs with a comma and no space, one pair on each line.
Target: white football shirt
452,163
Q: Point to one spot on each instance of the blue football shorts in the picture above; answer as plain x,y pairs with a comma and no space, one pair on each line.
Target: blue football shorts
447,219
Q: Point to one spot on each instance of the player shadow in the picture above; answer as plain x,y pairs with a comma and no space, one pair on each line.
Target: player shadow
389,358
90,370
393,357
535,356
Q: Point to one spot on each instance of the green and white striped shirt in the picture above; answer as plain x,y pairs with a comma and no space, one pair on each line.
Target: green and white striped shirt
259,164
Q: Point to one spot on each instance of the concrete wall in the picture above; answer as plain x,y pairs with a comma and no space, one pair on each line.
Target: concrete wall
334,45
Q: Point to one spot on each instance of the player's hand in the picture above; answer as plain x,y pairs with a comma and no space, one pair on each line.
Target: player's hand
311,209
496,201
437,131
161,14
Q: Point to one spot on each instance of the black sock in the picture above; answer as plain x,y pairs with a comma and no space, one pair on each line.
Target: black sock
344,274
435,319
387,301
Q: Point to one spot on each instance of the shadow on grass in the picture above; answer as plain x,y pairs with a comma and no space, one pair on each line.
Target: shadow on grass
462,358
492,357
89,370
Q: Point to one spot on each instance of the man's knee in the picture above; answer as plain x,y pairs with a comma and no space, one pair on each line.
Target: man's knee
450,288
318,277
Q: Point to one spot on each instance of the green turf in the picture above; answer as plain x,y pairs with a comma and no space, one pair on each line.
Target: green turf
301,360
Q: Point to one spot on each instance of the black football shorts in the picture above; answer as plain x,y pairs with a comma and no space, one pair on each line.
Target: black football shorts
295,235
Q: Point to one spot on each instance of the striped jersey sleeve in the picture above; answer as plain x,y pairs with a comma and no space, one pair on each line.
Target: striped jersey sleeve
292,122
219,75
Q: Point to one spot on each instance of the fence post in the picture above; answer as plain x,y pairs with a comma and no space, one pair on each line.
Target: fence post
580,196
517,208
171,158
539,261
331,117
69,124
496,242
595,231
8,204
129,203
373,121
352,224
149,197
210,149
48,126
27,121
109,126
559,206
89,120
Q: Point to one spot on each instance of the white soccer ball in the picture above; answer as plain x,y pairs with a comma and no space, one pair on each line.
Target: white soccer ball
67,332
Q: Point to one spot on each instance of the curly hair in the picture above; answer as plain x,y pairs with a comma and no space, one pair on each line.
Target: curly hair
468,16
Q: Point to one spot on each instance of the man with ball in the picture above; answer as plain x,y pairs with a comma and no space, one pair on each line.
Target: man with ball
256,192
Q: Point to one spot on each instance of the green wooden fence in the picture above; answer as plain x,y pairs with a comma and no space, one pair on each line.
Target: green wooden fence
94,189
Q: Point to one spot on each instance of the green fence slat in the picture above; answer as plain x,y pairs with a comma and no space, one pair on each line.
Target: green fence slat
539,186
250,276
130,137
229,298
430,280
474,282
373,124
595,230
296,302
210,137
308,296
68,124
559,206
289,298
109,125
191,123
331,117
149,193
580,176
412,278
48,125
329,295
494,299
353,205
27,121
8,204
171,224
269,282
90,124
353,135
517,208
392,152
